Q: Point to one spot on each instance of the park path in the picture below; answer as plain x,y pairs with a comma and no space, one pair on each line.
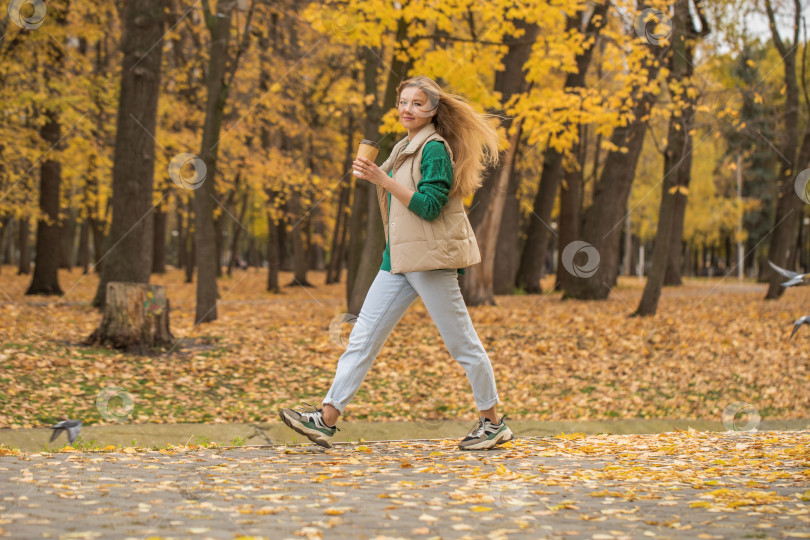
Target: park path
682,484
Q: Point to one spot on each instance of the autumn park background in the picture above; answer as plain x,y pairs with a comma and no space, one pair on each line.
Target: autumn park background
654,161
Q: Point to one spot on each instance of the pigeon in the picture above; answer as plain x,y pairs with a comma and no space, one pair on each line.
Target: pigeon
72,427
794,278
799,322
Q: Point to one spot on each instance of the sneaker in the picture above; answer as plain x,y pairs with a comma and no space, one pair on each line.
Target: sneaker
310,424
486,435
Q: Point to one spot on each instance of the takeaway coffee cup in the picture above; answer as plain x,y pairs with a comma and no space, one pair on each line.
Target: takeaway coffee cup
368,149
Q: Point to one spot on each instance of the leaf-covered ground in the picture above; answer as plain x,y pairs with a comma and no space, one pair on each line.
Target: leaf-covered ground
714,342
686,484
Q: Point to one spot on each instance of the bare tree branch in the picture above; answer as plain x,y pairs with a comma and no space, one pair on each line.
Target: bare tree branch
243,45
777,40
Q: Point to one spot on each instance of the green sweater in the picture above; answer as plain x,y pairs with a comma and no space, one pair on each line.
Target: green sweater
431,192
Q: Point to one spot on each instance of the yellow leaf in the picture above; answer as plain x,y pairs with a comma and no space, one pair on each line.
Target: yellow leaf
268,510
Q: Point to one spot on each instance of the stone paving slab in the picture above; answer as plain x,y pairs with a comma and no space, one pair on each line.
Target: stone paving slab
685,484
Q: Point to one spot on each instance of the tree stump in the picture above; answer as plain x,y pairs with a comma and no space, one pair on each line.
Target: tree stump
136,318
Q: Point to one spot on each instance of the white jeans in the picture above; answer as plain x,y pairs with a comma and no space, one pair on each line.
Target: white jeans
387,300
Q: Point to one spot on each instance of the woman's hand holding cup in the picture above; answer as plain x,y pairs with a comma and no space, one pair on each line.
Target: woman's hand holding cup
367,170
364,166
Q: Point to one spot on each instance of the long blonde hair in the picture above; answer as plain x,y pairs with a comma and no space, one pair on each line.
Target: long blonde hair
472,136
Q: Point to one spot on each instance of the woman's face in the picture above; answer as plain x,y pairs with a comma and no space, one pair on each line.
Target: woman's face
415,110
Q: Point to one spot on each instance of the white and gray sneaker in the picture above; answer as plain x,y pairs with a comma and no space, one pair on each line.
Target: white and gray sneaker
486,434
310,424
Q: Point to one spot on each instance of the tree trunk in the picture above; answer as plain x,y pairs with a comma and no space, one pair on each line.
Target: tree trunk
273,259
532,261
192,256
191,241
180,262
129,258
237,233
25,253
601,223
357,226
269,47
46,259
136,318
507,254
373,244
219,235
788,205
477,287
478,284
219,26
159,240
84,246
339,235
45,279
97,228
508,82
315,251
338,249
5,239
672,274
371,258
11,252
678,156
66,241
569,206
627,254
300,265
220,223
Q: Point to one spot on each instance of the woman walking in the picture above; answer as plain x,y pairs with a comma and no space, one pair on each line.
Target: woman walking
429,242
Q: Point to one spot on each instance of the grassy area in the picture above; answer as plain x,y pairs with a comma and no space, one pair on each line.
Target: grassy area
713,343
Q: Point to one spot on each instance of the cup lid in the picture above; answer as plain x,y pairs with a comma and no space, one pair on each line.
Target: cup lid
370,143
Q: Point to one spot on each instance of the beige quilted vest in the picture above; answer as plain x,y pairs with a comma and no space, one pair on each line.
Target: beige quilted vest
417,244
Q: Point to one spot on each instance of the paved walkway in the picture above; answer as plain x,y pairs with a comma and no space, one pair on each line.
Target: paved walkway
684,484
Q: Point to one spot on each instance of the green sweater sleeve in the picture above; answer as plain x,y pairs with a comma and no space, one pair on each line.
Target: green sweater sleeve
437,178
